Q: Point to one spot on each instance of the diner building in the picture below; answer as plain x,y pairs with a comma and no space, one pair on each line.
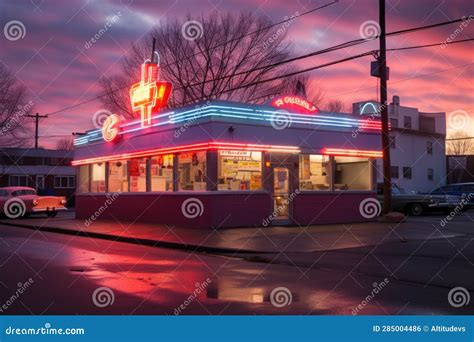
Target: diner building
226,164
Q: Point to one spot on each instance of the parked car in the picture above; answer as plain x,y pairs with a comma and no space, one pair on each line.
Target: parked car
19,201
464,190
418,204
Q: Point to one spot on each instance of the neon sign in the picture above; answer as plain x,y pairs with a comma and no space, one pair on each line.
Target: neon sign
111,128
352,153
149,94
294,103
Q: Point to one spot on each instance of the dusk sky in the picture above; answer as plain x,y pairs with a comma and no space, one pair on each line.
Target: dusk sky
52,62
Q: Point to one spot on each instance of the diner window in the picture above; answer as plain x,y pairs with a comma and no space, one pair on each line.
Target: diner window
192,171
239,170
394,172
118,176
352,173
83,179
429,147
407,172
137,172
314,171
161,170
98,177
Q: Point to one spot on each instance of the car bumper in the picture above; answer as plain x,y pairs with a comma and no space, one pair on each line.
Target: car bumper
47,209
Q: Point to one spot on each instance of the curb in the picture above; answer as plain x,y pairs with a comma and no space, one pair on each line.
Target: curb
139,241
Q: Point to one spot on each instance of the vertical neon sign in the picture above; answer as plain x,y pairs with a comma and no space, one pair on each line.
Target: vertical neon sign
150,94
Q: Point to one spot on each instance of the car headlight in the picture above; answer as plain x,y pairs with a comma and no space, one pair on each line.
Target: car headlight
63,201
35,202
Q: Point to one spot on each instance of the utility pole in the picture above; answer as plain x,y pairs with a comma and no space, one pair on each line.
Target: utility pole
37,117
387,181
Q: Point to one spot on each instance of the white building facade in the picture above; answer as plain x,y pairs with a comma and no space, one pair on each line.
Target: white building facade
417,151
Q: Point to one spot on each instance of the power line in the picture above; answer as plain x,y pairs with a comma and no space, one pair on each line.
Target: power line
201,52
330,49
405,79
430,45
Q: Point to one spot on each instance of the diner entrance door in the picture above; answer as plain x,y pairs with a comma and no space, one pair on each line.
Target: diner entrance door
281,190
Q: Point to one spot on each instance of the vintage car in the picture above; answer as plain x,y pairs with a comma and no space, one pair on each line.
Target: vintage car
20,201
464,190
418,204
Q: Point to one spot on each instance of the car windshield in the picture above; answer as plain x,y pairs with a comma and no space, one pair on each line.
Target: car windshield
23,192
398,191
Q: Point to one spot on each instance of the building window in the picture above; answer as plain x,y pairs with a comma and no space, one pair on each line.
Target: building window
83,179
137,172
407,121
239,170
161,170
314,172
98,177
429,147
118,176
407,172
430,174
393,123
352,173
394,172
18,180
392,141
192,171
64,182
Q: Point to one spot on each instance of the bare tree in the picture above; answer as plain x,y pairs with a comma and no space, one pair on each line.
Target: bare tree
197,62
14,109
335,106
66,143
461,145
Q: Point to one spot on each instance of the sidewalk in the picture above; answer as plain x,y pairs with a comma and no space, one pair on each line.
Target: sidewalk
236,240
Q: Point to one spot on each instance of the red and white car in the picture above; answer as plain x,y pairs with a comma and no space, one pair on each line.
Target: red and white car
21,201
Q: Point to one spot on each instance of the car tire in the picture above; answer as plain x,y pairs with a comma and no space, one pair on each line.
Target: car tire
51,213
415,209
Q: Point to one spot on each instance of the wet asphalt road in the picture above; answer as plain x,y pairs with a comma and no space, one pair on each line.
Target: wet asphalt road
417,276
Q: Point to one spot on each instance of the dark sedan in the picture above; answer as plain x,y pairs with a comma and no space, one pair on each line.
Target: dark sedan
417,204
464,190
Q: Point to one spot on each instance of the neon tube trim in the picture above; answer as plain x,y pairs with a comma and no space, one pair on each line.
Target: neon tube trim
352,153
213,145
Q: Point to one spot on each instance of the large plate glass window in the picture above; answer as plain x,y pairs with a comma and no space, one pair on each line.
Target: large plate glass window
118,176
239,170
192,171
98,177
352,173
314,172
137,171
161,171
